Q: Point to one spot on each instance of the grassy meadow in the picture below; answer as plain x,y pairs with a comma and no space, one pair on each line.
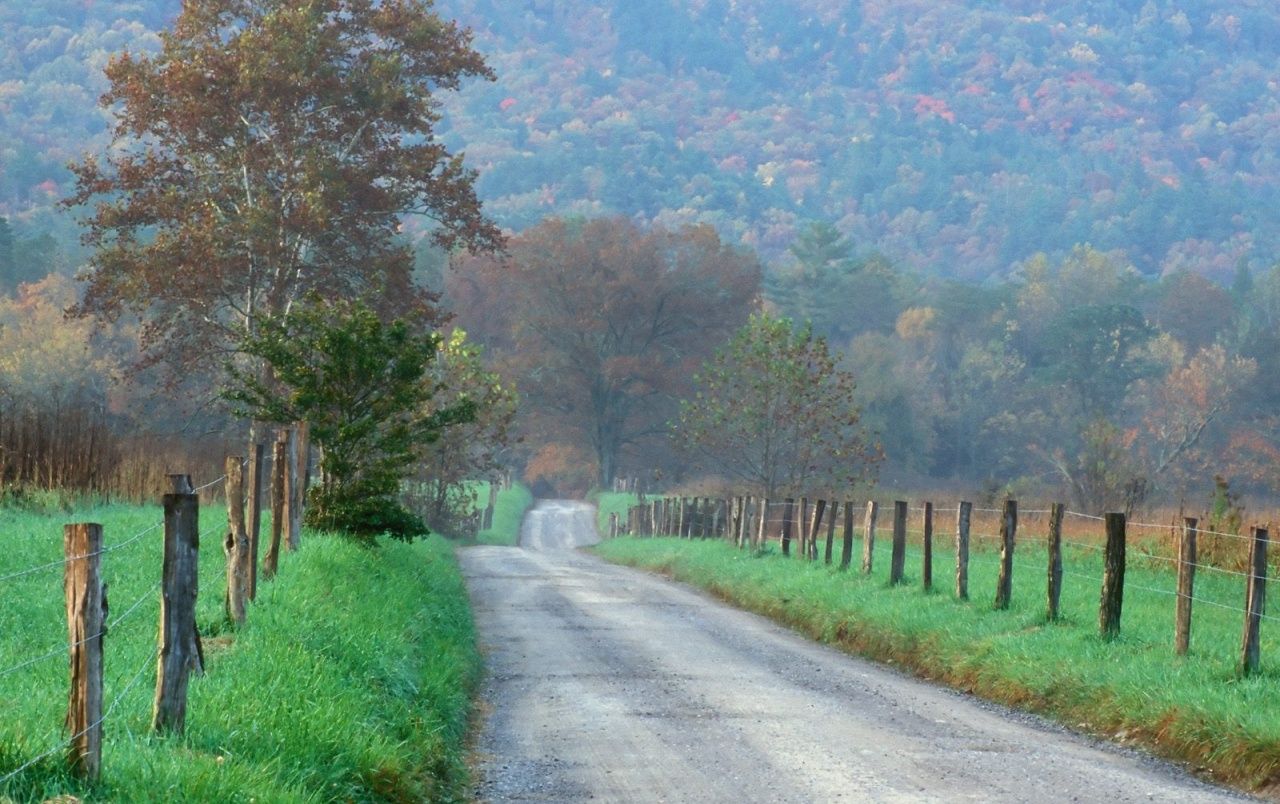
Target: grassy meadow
508,512
1132,689
351,680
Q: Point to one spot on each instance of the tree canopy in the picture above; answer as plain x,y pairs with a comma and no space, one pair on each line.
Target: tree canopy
602,324
772,409
269,151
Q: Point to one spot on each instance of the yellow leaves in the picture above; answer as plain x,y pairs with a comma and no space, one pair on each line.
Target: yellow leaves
916,324
44,356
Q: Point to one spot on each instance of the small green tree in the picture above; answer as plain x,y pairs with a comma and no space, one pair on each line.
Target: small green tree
442,488
364,387
772,409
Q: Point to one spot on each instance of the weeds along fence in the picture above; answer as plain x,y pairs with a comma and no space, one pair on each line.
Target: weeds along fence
1179,562
89,559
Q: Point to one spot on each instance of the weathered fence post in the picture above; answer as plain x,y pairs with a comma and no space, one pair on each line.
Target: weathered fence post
682,518
926,570
271,561
787,512
831,532
1112,578
803,527
1054,593
86,598
762,536
964,513
1008,537
869,535
236,544
1255,602
1186,585
819,508
846,544
180,652
613,524
486,519
898,558
254,523
292,491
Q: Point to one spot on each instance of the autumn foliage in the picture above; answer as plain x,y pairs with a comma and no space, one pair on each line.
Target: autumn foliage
602,324
269,151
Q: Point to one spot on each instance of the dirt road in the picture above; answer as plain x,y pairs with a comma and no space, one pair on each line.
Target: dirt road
609,684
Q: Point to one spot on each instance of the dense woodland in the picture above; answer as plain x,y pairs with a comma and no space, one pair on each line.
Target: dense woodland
1042,235
958,139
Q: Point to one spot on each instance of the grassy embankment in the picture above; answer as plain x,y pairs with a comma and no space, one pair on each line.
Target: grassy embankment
350,682
612,502
1133,689
508,511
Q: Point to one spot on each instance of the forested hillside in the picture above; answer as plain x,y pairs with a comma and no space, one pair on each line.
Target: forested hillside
956,138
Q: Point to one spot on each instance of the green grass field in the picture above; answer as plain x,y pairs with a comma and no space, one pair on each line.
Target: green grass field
1134,689
350,682
612,502
508,512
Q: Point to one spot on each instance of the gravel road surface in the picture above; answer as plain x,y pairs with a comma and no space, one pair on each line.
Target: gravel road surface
609,684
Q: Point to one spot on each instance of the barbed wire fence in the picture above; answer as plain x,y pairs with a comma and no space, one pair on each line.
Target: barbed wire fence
178,651
1161,559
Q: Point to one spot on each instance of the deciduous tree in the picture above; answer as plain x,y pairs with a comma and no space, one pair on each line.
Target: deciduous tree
365,389
463,453
602,324
269,150
771,409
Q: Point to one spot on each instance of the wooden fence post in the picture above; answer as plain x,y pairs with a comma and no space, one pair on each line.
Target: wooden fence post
846,545
898,558
293,490
271,561
681,517
787,512
964,513
926,569
180,651
819,508
762,535
86,599
236,544
1255,602
1186,586
1008,537
869,535
613,524
1054,594
254,523
831,532
1112,578
803,527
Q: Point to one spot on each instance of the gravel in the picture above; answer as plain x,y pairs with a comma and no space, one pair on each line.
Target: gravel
606,683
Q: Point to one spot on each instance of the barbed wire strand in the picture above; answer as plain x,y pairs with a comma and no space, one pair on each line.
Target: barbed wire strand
62,746
61,649
62,561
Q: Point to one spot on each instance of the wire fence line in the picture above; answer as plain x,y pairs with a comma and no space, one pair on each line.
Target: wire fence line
62,562
61,744
177,647
62,650
750,524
